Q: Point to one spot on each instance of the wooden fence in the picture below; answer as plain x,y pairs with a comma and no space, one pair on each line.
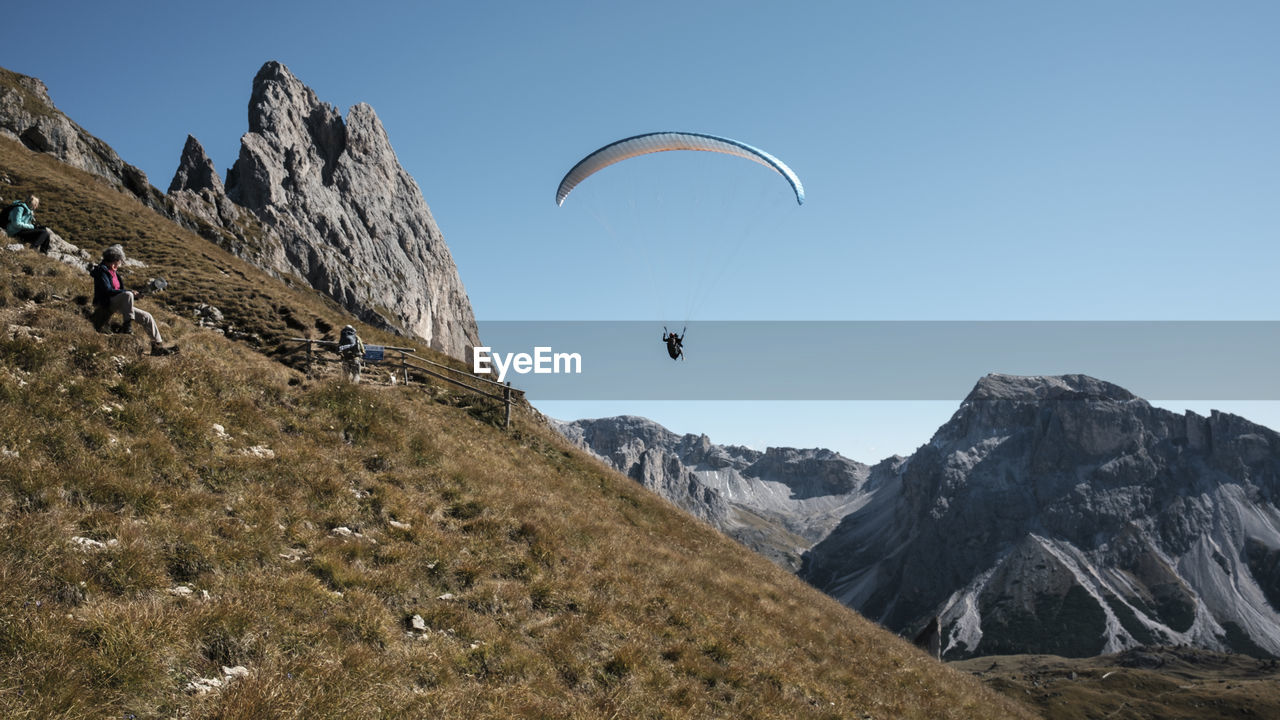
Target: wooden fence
407,359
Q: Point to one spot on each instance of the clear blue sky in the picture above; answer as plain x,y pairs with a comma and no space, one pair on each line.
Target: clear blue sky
980,160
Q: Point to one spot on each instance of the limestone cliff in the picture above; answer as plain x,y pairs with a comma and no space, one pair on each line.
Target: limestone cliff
336,208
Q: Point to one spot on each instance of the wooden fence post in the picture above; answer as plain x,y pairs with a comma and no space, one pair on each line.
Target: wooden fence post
308,357
506,399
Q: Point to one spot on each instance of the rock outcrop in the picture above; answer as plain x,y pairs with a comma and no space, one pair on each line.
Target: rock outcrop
334,206
777,503
1064,515
196,172
200,203
28,114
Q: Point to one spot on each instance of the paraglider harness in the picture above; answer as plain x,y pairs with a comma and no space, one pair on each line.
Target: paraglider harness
675,343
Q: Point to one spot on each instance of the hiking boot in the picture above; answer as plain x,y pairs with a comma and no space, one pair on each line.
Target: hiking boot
163,349
126,328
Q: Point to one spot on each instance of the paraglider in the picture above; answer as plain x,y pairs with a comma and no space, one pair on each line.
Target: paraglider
645,144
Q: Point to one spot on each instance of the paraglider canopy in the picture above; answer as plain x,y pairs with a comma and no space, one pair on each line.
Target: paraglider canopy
662,141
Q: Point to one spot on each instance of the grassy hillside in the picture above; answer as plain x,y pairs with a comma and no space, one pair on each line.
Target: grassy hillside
370,551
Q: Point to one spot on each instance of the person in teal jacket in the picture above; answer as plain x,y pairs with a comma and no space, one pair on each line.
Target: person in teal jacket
22,225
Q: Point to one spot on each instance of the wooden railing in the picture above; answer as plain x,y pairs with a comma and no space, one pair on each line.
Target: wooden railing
407,359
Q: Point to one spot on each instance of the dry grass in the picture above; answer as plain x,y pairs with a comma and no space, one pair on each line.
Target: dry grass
1166,682
549,586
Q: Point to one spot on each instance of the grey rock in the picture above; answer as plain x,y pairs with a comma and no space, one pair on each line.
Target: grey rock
200,204
196,172
129,261
203,686
207,315
59,249
64,251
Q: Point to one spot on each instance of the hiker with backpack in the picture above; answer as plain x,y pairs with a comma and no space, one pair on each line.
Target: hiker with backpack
111,297
19,223
351,350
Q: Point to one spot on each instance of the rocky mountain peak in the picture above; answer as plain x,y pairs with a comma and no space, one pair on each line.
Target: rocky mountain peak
1078,410
1067,502
276,92
196,171
1042,388
343,213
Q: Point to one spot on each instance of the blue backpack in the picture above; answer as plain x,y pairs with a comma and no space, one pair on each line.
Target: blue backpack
7,214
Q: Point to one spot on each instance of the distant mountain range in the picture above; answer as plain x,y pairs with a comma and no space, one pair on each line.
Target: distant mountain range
778,502
1058,515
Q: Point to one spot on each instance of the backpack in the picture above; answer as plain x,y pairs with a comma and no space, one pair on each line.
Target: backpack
358,350
7,213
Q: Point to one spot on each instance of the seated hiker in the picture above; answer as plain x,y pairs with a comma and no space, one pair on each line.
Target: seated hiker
675,344
351,349
111,297
20,224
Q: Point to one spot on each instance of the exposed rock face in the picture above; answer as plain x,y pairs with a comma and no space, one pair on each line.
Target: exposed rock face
27,113
346,215
778,502
200,203
1064,515
196,172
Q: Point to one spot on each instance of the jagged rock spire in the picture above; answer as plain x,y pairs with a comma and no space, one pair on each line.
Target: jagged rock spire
345,215
196,171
